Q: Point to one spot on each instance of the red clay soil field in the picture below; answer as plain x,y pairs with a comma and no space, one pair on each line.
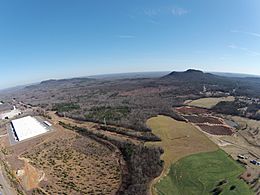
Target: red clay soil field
203,119
191,110
216,129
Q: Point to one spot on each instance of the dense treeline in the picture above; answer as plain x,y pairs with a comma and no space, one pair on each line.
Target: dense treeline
239,108
65,107
145,136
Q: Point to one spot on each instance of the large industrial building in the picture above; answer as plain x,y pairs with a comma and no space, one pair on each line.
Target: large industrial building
27,127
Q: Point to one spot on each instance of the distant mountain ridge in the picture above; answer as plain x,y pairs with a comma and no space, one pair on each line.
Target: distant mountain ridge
55,81
193,75
248,86
130,75
190,75
189,72
235,75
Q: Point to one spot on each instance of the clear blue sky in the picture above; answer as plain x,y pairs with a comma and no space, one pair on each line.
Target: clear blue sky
42,39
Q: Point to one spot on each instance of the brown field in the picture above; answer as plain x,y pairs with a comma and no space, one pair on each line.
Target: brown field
191,110
209,102
75,165
245,122
249,129
203,119
179,139
216,129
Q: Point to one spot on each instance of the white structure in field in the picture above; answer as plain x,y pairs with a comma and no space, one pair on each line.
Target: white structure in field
47,123
27,127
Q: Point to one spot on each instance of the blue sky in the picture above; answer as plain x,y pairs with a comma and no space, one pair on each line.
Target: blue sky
43,39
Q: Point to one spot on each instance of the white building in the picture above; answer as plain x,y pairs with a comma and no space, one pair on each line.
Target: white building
27,127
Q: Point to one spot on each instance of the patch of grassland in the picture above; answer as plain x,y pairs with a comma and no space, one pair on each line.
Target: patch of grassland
179,139
209,102
246,122
204,173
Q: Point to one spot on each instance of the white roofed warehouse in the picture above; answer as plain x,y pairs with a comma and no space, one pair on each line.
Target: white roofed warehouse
27,127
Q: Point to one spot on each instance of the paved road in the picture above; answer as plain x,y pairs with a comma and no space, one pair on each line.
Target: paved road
5,189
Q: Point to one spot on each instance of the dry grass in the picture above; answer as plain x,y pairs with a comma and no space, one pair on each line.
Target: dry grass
209,102
243,122
249,129
179,139
75,165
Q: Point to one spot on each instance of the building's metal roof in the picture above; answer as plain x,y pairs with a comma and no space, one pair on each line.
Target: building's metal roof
28,127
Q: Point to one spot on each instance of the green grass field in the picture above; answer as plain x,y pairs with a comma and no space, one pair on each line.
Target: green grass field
200,174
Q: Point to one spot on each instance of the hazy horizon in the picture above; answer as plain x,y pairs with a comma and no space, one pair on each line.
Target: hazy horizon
119,73
41,40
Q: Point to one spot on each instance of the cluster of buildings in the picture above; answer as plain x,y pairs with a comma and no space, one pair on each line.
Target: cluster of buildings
10,114
23,128
249,100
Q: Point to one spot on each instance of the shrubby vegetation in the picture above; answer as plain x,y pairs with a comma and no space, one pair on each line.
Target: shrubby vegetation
227,108
143,163
107,113
65,107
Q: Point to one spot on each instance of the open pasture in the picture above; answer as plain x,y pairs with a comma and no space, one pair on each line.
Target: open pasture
204,173
209,102
179,139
